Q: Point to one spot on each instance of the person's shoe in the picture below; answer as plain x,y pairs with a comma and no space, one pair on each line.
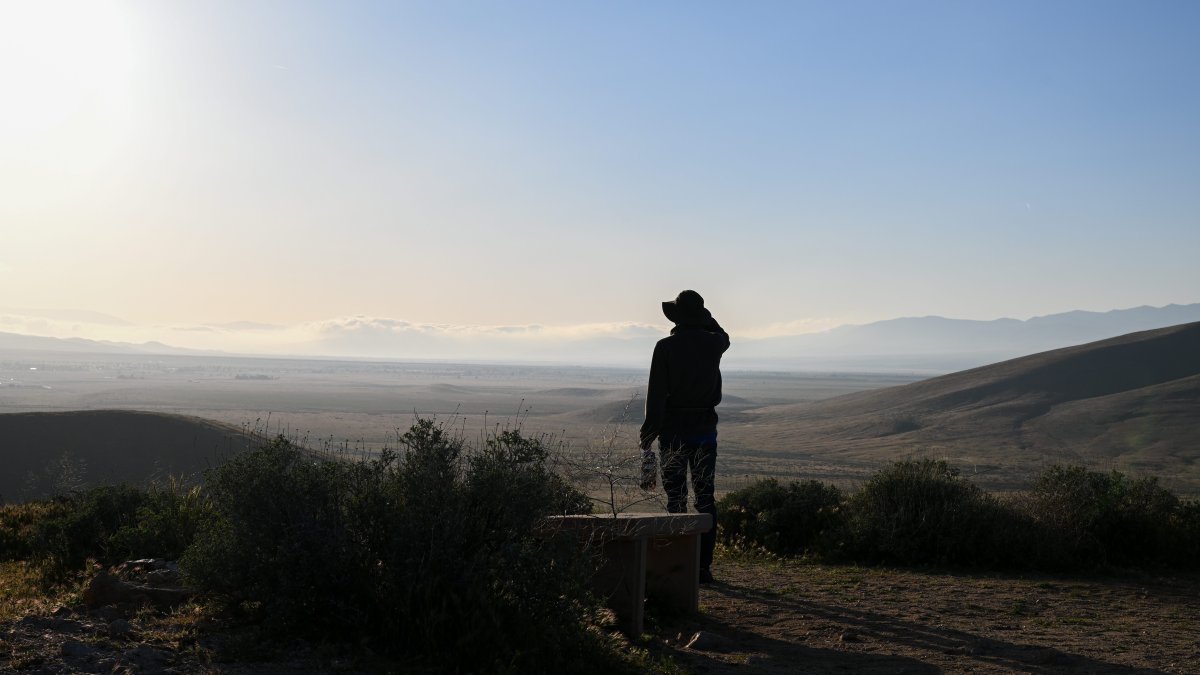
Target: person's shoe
706,576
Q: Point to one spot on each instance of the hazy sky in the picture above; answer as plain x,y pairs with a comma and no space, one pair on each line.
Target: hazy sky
183,167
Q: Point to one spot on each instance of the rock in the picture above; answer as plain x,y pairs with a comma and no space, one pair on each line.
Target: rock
119,628
31,621
78,650
105,589
146,658
704,641
150,571
165,577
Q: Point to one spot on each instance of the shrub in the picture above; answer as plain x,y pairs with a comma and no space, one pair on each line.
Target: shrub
83,528
1185,529
788,520
165,524
920,512
108,524
20,524
898,423
437,551
1093,518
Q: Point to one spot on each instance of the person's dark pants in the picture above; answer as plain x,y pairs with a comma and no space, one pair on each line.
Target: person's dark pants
678,458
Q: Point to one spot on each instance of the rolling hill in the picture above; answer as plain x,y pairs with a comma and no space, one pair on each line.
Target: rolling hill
1130,403
94,447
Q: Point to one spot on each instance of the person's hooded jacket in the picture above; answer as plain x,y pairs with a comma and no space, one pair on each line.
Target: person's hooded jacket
685,383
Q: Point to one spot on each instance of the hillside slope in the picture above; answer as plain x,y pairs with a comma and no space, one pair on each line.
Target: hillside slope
1131,402
93,447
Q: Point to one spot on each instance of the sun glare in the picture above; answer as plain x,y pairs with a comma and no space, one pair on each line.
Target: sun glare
63,64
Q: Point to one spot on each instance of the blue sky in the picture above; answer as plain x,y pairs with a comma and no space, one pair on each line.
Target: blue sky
468,165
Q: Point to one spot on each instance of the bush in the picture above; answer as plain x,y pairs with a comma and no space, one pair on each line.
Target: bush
437,551
20,524
1185,529
165,524
788,520
83,528
108,524
919,512
1092,518
922,512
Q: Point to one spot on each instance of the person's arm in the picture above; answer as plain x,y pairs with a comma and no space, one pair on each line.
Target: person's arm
656,396
715,327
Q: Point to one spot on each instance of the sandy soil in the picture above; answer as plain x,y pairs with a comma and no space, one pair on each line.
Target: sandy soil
788,617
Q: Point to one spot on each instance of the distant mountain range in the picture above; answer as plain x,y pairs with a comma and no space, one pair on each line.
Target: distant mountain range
1130,403
930,344
939,344
37,343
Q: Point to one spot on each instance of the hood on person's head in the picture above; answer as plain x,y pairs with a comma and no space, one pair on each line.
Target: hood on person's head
687,309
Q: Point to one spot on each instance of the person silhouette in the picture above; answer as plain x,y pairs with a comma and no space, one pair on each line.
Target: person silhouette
681,400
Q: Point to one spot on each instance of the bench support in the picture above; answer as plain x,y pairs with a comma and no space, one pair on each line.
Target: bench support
644,553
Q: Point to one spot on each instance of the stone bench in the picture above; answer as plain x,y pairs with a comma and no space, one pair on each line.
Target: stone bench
655,553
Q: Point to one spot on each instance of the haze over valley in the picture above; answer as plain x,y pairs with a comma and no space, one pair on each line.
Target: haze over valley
930,344
1126,403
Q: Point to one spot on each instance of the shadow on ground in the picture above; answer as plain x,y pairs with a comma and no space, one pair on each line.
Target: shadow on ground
816,637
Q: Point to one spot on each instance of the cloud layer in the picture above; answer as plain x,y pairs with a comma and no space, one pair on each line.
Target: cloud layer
364,336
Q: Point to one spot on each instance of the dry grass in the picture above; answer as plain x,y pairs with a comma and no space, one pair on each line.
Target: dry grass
21,592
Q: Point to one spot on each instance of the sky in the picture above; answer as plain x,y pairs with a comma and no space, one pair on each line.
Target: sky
382,175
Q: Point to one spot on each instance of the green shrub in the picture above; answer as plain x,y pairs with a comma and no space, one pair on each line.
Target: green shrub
1185,530
62,543
437,551
20,524
1091,518
108,524
165,524
920,512
788,520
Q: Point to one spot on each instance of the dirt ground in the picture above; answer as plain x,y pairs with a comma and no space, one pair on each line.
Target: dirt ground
789,617
762,616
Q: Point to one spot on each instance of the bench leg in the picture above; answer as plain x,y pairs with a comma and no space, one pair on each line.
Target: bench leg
622,582
673,571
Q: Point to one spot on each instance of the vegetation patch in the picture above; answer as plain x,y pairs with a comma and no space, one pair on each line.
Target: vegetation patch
784,519
924,513
436,554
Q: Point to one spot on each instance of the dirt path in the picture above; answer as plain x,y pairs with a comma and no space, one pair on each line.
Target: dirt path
786,617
